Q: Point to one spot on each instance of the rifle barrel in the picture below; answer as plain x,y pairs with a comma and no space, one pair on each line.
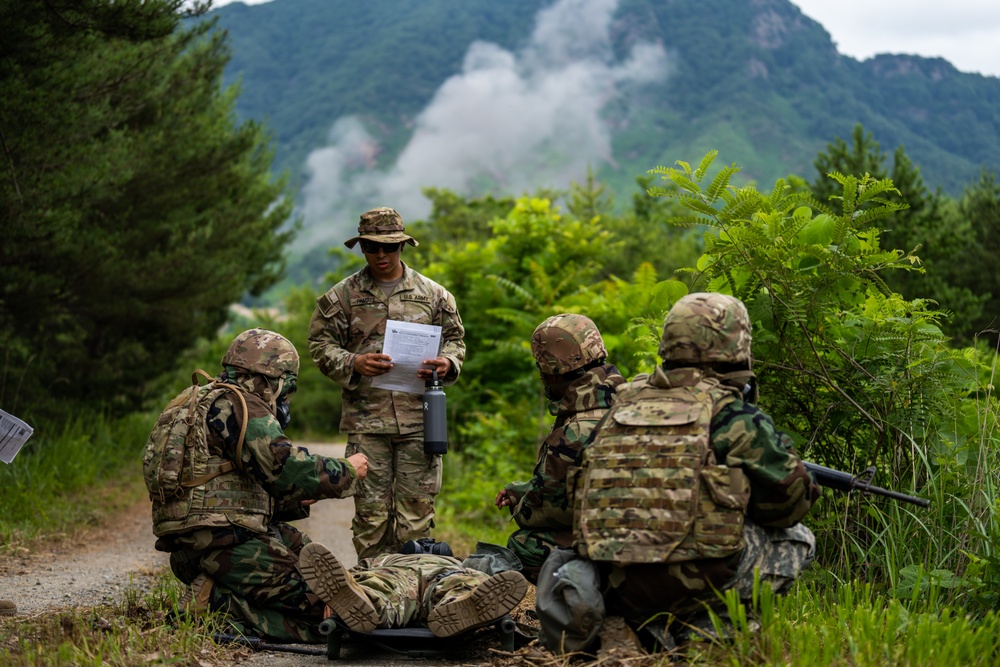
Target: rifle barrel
845,481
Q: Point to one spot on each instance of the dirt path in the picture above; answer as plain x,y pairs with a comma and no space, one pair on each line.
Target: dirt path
98,566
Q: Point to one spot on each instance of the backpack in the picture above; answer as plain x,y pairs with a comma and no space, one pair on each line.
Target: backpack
177,446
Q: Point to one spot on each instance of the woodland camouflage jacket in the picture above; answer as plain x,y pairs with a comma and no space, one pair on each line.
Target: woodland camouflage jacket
543,501
289,474
350,319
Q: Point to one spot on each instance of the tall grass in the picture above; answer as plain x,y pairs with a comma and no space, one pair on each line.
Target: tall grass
850,625
139,629
66,476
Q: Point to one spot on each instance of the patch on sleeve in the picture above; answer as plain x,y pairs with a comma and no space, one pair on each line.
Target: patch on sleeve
328,304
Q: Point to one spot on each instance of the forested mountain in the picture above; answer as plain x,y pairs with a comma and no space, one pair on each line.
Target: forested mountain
755,79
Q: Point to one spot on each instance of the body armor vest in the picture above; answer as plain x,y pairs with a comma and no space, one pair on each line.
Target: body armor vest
649,489
190,487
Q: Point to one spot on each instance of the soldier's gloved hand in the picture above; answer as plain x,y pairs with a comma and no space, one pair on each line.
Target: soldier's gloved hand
360,463
372,364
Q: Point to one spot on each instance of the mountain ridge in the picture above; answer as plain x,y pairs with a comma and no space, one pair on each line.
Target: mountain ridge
759,81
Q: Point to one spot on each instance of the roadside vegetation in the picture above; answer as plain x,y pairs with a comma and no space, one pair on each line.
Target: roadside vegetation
872,300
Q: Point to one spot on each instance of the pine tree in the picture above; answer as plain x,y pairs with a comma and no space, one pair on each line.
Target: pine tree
133,207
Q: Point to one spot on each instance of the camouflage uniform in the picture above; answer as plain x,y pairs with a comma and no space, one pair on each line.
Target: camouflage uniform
250,557
543,510
722,495
399,590
780,494
395,502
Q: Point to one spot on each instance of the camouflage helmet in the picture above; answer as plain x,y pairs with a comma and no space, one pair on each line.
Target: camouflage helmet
566,342
382,224
263,352
707,328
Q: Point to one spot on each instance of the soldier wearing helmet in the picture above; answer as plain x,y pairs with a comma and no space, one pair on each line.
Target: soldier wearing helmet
571,358
223,479
396,502
684,488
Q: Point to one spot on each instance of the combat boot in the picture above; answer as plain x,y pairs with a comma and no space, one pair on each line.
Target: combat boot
334,585
7,608
486,603
196,598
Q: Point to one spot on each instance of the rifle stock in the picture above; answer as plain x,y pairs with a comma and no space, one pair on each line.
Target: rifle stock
845,481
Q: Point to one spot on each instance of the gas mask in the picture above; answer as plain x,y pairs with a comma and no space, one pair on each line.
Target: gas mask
282,409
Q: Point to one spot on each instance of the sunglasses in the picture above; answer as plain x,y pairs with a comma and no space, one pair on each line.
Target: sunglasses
372,247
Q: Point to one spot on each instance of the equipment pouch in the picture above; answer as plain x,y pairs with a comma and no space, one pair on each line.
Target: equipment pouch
727,486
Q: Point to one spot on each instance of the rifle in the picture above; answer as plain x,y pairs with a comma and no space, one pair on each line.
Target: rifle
845,481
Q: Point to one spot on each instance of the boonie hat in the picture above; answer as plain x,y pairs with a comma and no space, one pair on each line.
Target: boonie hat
383,225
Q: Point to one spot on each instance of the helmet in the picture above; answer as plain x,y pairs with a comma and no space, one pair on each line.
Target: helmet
707,328
566,342
263,352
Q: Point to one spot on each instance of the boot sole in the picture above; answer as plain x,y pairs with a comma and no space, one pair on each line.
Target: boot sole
494,598
327,578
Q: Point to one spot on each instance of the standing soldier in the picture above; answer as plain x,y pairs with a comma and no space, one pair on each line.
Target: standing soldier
222,477
570,356
396,502
685,488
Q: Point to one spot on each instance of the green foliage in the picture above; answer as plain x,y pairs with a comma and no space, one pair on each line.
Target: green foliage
135,208
950,265
857,374
139,628
852,625
66,476
973,263
852,368
493,456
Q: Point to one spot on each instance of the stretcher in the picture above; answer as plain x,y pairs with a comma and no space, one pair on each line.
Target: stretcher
417,642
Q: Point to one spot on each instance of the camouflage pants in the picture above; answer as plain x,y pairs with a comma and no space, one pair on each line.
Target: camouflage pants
533,546
638,592
405,587
395,502
644,591
258,585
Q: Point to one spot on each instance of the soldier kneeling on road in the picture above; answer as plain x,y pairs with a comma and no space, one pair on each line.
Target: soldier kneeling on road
223,479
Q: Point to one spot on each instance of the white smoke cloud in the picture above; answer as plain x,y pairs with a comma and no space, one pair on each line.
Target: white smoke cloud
512,121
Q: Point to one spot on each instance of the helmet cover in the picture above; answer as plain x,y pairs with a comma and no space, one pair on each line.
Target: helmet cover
566,342
263,352
707,328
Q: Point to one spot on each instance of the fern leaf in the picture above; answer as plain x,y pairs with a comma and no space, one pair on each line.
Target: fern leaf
705,163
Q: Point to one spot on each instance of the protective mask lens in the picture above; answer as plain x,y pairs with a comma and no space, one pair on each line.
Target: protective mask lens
283,413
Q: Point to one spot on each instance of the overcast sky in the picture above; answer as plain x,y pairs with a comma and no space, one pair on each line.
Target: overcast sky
964,32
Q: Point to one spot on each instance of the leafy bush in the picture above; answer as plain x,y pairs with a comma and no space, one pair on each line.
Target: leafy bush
858,375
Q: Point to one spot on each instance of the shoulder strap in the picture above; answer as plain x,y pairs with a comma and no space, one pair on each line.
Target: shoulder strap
227,466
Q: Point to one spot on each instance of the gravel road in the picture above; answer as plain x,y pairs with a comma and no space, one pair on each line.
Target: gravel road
98,566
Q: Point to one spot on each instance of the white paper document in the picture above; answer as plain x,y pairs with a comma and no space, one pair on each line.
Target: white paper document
408,344
13,434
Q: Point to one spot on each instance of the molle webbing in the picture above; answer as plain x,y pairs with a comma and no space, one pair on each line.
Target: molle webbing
200,489
650,489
